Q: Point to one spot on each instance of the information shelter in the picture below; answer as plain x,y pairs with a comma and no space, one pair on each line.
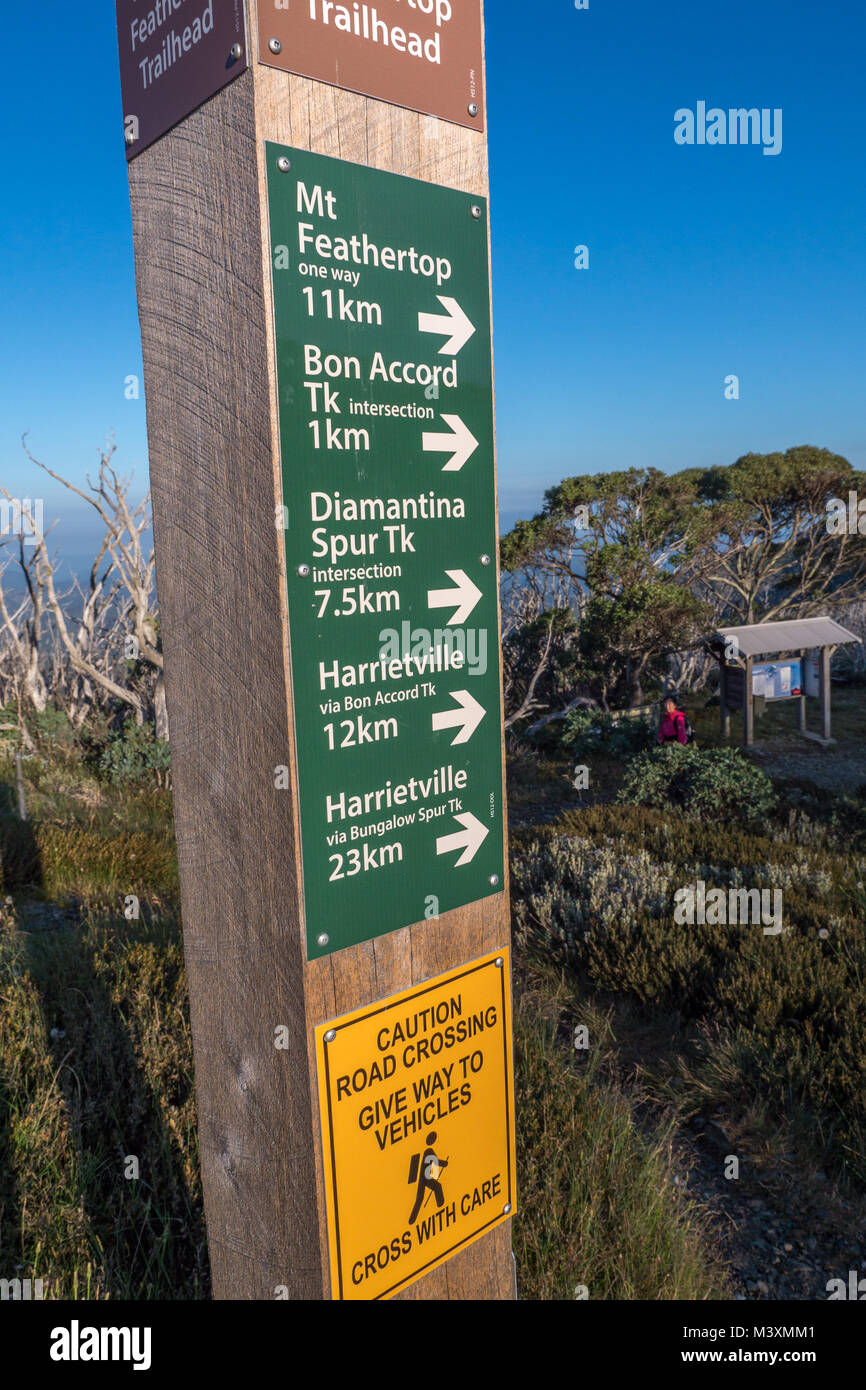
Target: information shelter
800,667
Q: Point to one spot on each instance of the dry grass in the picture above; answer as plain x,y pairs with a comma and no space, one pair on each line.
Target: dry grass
96,1069
600,1214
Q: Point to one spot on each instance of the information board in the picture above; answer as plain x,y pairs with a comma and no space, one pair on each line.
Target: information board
417,1108
382,322
778,680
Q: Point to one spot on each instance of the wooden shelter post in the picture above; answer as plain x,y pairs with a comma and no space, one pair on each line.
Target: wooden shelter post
749,705
725,712
802,701
826,722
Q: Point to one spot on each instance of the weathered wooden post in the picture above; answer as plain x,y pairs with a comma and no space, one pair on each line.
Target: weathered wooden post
724,708
801,703
312,267
749,705
824,682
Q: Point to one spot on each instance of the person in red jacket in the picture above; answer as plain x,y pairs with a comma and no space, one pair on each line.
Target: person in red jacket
673,725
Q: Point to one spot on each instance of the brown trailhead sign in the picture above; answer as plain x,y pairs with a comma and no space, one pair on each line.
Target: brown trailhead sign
174,55
423,54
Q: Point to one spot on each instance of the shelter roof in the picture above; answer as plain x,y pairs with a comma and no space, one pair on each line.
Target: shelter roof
763,639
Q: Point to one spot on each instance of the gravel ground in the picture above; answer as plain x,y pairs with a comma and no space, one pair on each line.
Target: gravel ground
791,758
782,1236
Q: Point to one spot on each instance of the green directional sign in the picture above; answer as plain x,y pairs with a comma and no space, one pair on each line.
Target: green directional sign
382,318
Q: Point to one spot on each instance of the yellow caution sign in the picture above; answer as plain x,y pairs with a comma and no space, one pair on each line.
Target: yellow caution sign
417,1105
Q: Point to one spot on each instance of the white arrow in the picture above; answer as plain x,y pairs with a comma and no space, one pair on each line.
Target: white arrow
461,444
465,597
466,718
453,322
469,840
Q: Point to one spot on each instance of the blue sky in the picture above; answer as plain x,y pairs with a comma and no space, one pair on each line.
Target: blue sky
704,261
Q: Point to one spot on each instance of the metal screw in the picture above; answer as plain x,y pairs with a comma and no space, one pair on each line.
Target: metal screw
283,164
506,1210
235,51
499,962
324,939
494,879
331,1033
476,211
275,46
472,108
304,572
485,559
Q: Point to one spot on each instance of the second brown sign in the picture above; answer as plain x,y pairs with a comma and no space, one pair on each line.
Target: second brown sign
422,54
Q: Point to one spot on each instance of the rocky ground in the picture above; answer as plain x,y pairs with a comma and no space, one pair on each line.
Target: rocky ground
782,1235
837,769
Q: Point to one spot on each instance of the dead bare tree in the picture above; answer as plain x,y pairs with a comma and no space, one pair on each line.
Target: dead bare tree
72,646
690,669
529,704
97,636
129,597
851,659
23,631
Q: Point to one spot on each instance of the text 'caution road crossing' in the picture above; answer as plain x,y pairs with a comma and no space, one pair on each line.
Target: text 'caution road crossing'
417,1108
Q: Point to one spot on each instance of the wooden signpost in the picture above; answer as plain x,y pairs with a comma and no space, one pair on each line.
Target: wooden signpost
312,269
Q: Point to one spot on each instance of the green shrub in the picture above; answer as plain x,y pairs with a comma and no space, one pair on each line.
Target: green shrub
51,728
586,731
135,754
849,820
716,782
788,1011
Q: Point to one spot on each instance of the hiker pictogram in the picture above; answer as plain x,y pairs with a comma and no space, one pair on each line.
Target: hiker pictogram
426,1169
